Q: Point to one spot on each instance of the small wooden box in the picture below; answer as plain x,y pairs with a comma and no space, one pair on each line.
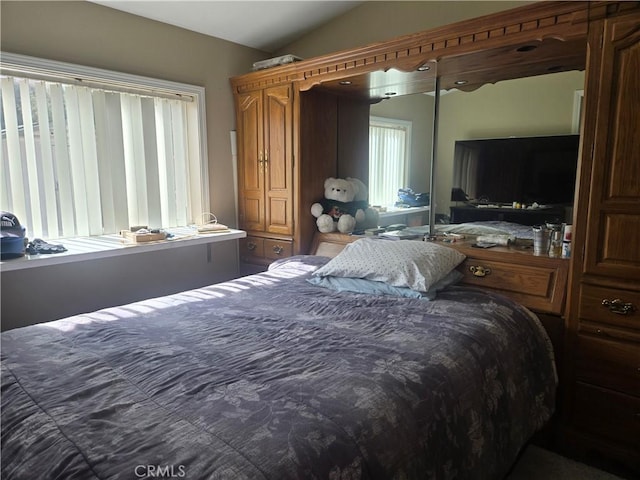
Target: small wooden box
142,237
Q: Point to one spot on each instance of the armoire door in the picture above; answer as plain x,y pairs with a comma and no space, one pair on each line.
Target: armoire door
250,126
614,203
278,159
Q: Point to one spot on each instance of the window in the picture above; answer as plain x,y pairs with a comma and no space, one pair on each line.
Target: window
389,149
91,152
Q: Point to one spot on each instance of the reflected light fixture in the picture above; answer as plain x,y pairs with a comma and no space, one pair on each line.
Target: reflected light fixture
424,68
461,82
345,82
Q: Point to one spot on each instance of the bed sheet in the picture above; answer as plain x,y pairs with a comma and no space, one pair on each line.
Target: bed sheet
488,228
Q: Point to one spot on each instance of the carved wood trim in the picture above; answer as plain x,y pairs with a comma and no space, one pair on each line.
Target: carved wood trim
560,20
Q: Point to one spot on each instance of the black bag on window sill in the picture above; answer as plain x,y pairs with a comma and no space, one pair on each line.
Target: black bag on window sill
408,197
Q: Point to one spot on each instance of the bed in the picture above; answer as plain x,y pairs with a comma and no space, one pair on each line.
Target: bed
272,377
489,227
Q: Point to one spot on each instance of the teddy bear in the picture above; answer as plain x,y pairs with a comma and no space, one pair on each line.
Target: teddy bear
371,215
344,206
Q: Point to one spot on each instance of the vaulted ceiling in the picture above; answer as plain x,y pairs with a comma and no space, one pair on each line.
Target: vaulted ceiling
264,25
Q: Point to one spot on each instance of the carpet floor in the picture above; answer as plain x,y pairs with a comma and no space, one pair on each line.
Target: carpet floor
539,464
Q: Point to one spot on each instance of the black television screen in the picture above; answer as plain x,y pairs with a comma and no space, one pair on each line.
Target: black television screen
518,169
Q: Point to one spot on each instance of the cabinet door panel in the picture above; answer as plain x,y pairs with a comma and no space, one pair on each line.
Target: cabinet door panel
279,160
625,142
614,206
279,214
252,211
250,148
621,237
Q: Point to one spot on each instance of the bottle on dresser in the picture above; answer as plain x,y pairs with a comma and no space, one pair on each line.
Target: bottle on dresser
566,241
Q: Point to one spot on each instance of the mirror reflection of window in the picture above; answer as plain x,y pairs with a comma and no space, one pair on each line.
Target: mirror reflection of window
389,153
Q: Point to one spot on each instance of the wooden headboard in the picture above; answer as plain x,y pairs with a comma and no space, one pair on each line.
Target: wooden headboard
331,244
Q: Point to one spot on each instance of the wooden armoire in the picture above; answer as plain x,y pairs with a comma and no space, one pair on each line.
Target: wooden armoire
603,401
300,123
289,142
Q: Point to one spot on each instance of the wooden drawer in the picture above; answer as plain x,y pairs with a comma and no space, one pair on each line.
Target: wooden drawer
592,308
275,249
538,287
251,249
263,251
609,415
610,364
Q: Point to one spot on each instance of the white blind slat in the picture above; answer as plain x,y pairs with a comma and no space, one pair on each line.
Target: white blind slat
12,139
34,218
116,162
103,159
63,162
134,159
197,174
90,159
78,183
5,185
165,163
46,161
154,213
180,158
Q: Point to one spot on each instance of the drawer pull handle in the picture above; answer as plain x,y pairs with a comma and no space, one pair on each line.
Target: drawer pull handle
602,332
618,306
277,249
251,246
479,271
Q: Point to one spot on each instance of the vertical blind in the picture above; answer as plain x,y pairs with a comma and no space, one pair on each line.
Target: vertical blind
81,161
388,153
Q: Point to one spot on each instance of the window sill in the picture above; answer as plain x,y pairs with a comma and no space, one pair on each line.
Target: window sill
91,248
397,211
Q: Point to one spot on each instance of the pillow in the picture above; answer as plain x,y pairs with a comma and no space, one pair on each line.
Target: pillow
400,263
372,287
361,285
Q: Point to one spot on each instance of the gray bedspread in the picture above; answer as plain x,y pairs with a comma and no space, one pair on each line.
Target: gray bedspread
270,377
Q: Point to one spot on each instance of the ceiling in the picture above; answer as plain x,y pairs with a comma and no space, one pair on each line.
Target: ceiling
264,25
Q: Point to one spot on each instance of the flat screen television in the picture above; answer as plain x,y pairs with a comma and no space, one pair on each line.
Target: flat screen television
518,169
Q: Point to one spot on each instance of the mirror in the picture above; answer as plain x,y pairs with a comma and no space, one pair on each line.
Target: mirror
531,106
478,98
